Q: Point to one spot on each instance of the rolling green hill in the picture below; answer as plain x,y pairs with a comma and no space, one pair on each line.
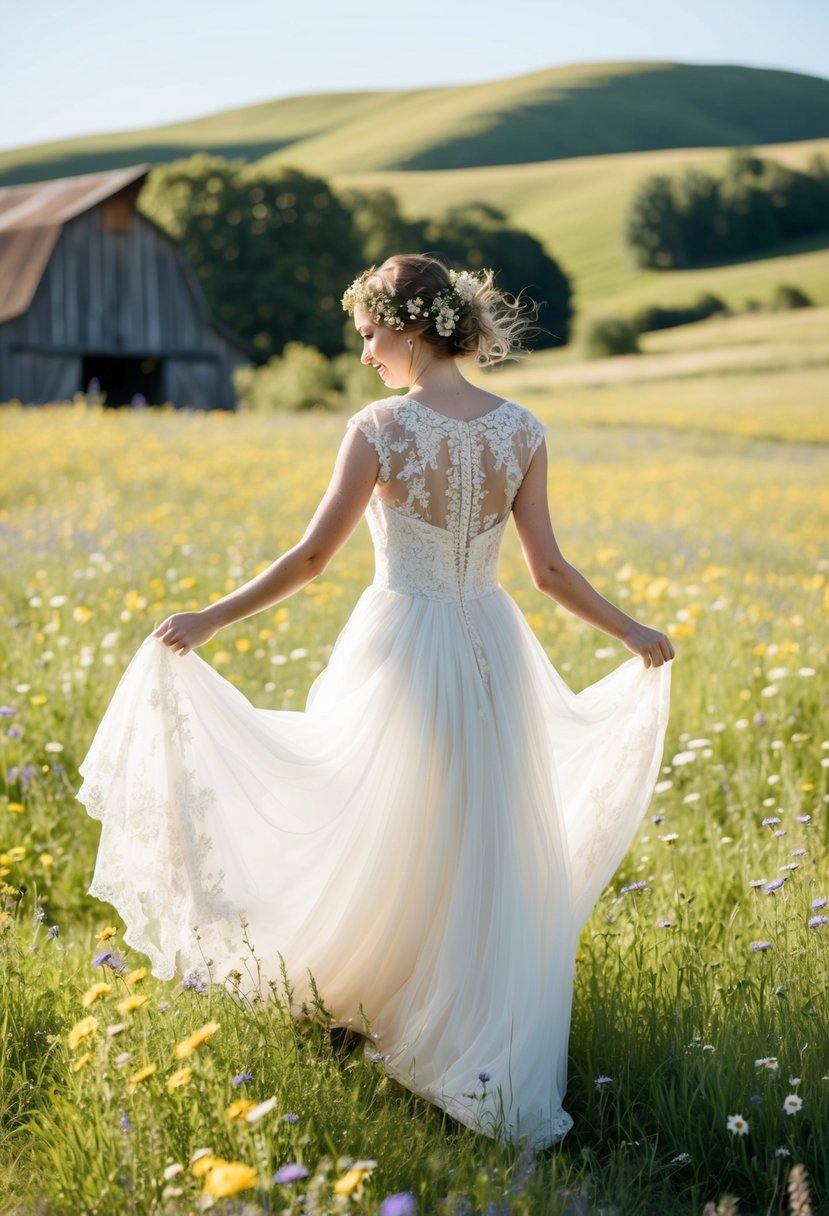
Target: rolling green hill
567,112
576,207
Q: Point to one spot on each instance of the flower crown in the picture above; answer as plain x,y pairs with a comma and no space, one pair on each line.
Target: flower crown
395,310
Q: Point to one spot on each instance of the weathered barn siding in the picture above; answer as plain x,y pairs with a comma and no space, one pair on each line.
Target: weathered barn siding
117,288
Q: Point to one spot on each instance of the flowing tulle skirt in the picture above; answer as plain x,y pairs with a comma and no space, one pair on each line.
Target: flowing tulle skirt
425,840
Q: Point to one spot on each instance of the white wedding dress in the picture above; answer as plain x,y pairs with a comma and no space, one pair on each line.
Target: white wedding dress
428,837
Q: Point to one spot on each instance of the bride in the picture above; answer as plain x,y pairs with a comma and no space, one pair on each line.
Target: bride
425,841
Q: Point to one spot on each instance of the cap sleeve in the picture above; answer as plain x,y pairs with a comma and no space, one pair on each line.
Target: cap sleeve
536,431
366,420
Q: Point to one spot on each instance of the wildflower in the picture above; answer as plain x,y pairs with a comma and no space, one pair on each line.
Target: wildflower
600,1081
670,838
759,946
815,922
15,808
258,1112
130,1004
107,933
771,821
758,882
228,1178
81,1030
135,977
737,1125
290,1117
94,994
400,1204
178,1078
81,1062
173,1171
819,903
774,885
141,1075
292,1172
240,1078
657,818
803,818
201,1161
193,982
634,886
484,1077
353,1178
782,1151
122,1059
116,1028
664,924
792,1104
126,1123
681,1159
101,959
52,932
239,1108
196,1039
376,1057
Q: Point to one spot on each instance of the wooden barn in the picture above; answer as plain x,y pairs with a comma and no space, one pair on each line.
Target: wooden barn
93,291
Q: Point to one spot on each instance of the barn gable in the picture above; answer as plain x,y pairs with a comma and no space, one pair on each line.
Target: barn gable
90,289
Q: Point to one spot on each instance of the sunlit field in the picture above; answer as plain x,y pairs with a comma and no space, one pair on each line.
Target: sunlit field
699,1055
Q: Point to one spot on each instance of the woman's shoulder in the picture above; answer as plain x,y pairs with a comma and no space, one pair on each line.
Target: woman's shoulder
377,412
521,417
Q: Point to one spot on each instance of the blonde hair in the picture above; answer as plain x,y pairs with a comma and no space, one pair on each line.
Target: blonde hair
491,325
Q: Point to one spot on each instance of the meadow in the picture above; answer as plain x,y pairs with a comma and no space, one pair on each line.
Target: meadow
689,484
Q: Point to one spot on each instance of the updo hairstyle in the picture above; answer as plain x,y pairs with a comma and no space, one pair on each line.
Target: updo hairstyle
490,326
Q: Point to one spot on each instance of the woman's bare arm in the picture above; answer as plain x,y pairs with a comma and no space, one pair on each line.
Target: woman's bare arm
336,517
557,578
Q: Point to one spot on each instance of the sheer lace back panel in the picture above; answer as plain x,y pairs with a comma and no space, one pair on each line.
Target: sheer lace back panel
444,491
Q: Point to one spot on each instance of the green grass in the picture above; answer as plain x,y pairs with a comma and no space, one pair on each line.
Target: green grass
693,495
573,111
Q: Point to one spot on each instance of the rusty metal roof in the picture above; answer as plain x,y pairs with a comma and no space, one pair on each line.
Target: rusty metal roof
31,220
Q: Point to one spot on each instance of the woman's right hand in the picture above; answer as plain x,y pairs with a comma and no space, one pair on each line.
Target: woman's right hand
653,647
184,631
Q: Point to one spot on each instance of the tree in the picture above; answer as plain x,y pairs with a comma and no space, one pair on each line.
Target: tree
272,248
653,228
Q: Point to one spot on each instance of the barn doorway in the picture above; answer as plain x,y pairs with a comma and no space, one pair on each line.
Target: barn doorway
125,381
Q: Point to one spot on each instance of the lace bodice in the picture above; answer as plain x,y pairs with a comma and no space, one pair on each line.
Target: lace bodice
444,492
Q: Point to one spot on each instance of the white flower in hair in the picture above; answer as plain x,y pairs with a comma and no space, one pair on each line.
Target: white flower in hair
393,311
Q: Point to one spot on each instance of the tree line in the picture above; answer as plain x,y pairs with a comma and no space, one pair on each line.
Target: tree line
274,248
695,218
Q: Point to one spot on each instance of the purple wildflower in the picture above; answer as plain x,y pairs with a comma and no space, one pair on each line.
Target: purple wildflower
290,1117
484,1077
755,1098
376,1057
400,1204
634,886
126,1123
759,719
803,818
14,732
600,1081
100,960
759,946
770,821
657,818
798,852
816,921
7,711
292,1172
241,1077
774,885
193,982
52,932
820,903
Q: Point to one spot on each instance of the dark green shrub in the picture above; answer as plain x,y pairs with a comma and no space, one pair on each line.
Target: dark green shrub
667,316
786,296
609,335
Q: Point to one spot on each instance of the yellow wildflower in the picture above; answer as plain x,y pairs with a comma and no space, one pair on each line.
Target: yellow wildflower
141,1075
107,933
135,977
353,1177
4,916
196,1039
38,700
243,645
130,1003
95,993
81,613
46,860
81,1062
203,1164
239,1108
15,808
228,1178
81,1030
180,1077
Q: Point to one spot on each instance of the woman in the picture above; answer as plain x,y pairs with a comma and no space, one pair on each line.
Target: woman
428,837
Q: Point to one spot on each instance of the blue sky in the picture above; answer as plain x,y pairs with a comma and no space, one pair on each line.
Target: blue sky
95,65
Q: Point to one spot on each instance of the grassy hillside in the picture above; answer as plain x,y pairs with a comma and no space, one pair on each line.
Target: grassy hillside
565,112
576,208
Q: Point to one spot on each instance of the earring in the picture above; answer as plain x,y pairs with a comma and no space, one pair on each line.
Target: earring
411,344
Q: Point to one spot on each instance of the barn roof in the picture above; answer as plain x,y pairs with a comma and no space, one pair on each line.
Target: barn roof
31,220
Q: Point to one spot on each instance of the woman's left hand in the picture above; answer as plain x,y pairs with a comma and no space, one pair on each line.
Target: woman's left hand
184,631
